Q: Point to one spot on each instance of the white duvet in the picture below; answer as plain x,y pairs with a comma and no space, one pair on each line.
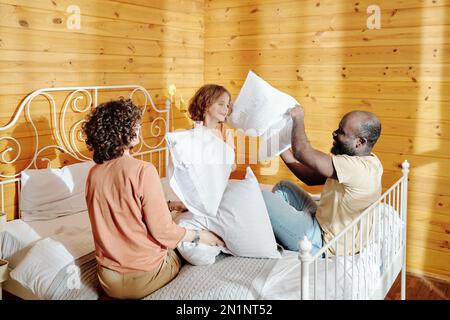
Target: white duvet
39,250
284,281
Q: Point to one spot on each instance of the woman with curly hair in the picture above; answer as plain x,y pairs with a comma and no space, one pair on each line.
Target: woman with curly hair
133,231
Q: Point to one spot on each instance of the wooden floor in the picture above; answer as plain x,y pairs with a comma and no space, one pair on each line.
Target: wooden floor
420,288
417,288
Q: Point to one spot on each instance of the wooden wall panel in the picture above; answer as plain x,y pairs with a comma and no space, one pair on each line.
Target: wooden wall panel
150,43
322,53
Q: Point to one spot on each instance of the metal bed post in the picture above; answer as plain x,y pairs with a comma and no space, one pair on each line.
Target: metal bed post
405,170
305,257
3,263
167,130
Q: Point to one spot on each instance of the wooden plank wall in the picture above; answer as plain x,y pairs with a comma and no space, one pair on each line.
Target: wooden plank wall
147,42
323,53
319,51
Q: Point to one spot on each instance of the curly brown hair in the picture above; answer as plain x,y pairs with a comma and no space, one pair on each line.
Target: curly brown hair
203,99
110,129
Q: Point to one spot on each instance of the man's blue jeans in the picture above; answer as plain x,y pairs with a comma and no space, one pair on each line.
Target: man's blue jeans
292,214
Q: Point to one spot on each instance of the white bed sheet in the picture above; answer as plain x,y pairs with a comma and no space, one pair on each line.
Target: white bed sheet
284,280
74,233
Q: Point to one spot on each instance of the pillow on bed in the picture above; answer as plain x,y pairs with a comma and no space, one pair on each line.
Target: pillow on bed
260,109
16,239
41,265
51,193
243,221
199,169
200,254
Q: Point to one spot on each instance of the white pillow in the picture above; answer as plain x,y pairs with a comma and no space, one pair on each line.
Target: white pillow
261,109
41,265
17,238
276,140
199,169
243,221
200,254
51,193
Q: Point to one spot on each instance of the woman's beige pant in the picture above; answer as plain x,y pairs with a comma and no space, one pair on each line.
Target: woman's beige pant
136,285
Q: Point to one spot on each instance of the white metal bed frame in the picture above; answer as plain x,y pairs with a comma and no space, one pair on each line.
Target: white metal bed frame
395,196
89,95
66,144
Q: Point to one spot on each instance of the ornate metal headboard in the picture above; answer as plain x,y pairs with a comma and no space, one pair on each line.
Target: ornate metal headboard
28,143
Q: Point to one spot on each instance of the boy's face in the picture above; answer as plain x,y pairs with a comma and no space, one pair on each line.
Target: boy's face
220,108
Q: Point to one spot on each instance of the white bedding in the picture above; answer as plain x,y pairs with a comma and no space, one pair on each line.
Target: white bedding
19,236
38,250
284,280
73,232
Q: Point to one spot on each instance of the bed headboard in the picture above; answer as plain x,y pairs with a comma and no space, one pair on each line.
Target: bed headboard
45,131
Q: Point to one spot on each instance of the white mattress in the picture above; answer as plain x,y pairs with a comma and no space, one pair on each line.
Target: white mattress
74,232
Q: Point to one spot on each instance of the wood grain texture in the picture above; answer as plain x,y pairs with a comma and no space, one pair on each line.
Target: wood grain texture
322,53
149,43
420,287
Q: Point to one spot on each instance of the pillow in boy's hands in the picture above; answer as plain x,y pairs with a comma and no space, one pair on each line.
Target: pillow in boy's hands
261,110
199,168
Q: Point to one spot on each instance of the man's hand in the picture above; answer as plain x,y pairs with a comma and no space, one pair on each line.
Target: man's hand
319,162
177,206
288,157
298,112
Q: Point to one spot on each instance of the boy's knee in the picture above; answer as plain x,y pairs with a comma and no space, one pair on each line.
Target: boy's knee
283,185
271,200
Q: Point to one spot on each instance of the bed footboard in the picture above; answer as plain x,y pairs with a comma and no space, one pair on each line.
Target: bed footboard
363,260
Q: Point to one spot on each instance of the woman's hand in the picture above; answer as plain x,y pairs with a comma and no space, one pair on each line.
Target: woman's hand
210,239
176,206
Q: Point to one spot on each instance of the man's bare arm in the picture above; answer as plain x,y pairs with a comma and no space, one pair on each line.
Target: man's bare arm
302,172
303,151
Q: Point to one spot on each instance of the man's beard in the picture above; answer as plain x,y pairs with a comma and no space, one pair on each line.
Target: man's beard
342,148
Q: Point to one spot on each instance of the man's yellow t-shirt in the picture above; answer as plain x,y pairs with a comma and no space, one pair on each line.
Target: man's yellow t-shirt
358,185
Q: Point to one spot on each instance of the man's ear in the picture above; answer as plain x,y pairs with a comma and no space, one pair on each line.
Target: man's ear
361,142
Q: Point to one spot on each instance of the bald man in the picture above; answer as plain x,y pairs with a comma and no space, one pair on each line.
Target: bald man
351,174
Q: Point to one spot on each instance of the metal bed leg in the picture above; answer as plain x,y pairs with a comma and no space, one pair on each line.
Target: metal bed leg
405,170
